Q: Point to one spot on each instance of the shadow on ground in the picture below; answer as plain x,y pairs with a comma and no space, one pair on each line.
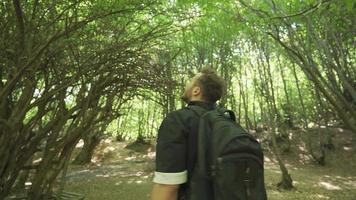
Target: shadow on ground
123,173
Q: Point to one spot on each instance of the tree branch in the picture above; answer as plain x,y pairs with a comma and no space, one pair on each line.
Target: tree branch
303,12
20,23
11,83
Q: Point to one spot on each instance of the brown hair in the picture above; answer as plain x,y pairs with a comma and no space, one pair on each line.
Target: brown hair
211,84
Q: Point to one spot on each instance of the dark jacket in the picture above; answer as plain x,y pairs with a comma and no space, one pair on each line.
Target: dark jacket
177,141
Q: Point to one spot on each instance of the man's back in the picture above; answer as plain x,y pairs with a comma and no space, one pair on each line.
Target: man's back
177,136
177,146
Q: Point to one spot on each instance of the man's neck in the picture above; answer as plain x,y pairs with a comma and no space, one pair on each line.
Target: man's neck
198,98
204,104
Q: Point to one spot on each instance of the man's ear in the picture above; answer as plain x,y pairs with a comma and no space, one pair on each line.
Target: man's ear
196,90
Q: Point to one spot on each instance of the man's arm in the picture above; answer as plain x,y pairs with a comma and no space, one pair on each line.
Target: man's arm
171,168
164,192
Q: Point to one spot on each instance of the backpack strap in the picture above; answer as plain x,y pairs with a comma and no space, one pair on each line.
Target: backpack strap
202,141
231,115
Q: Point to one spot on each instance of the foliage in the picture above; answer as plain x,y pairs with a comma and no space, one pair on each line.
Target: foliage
84,70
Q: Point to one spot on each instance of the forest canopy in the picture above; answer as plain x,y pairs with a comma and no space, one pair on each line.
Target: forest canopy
78,70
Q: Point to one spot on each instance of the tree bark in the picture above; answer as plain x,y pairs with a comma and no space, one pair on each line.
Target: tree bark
86,154
268,93
301,99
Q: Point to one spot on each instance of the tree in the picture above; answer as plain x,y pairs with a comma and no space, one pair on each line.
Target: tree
57,81
317,43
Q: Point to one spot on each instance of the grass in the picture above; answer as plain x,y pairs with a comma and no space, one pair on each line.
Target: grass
312,182
112,188
335,181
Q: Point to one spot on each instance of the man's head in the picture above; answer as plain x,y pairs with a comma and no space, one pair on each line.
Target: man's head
205,86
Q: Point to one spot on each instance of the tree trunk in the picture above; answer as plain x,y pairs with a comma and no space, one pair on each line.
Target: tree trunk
287,107
286,180
86,154
307,63
301,99
254,110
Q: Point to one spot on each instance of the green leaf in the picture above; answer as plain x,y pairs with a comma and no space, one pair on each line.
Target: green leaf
349,4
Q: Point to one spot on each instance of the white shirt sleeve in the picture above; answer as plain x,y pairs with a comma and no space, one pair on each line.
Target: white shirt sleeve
170,178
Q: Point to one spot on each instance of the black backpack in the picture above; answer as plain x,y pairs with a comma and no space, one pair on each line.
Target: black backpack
229,162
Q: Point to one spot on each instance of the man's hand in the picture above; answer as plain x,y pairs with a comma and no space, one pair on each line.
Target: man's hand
164,192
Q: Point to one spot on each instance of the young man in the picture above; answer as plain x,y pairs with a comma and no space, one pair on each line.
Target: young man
177,137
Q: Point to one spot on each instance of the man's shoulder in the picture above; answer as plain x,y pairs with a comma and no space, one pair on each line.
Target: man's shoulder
183,117
183,113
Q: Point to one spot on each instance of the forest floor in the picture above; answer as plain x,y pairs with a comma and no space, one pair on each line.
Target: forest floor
124,172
